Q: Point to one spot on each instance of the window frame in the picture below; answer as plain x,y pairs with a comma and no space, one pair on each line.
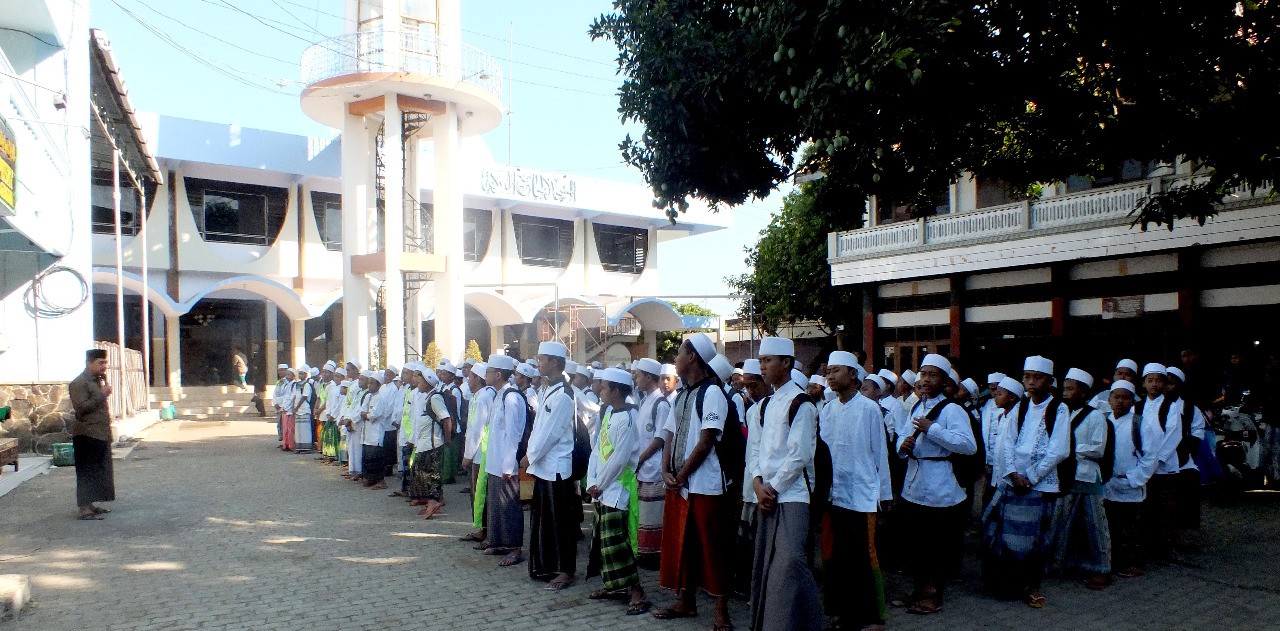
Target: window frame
564,231
614,234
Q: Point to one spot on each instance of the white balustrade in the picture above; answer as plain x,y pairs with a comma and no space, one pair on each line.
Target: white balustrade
980,224
1086,207
420,53
893,237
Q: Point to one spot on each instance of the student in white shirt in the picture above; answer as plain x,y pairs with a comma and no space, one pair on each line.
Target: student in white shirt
611,483
433,424
503,512
1162,489
300,406
476,445
651,415
383,406
756,390
933,510
1080,540
1004,398
852,426
1192,425
1126,370
284,378
1137,455
1034,439
555,511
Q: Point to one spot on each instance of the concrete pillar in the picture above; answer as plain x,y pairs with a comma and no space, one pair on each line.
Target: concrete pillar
298,339
270,343
173,356
357,206
497,341
450,315
413,224
956,315
393,229
869,342
159,375
650,342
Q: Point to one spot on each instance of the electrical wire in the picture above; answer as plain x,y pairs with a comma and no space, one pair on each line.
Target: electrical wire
215,37
39,303
32,36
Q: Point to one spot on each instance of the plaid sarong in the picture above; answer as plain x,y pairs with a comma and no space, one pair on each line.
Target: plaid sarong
426,483
1014,541
1080,538
611,557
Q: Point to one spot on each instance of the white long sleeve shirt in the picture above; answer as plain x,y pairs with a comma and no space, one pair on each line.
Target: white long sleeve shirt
1031,450
1134,467
1167,449
930,480
281,393
587,409
355,412
783,454
649,418
893,416
551,442
854,431
506,428
477,419
1090,445
991,417
604,471
333,401
384,407
707,479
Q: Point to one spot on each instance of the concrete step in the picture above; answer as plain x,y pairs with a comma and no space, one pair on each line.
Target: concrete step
210,410
164,392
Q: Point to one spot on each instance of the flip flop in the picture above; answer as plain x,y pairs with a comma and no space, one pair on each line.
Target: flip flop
101,511
637,608
471,536
1036,602
671,613
90,517
601,594
558,585
511,559
493,551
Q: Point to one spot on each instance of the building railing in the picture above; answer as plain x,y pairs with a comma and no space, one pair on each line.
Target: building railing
419,53
128,397
1086,209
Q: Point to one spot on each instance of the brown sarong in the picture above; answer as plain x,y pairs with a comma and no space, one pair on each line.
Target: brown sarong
694,543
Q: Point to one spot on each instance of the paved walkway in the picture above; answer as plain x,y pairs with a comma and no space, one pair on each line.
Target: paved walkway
216,529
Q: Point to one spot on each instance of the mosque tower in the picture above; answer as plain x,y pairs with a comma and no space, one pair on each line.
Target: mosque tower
399,75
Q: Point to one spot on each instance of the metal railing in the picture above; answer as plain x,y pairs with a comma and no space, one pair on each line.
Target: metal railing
127,378
419,53
1111,205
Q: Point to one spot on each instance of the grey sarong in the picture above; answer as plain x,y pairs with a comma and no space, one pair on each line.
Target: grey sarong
784,594
506,516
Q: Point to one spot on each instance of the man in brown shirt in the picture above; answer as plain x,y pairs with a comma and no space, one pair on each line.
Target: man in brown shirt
91,436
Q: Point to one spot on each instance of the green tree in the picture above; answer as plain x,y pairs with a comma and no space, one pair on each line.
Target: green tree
898,98
789,278
473,351
669,341
431,356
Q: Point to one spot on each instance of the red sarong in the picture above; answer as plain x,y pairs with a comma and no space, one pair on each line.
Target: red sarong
694,542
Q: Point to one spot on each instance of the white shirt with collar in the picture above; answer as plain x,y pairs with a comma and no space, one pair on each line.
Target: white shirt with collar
587,409
281,393
782,456
551,442
707,479
649,419
333,400
992,416
477,419
1134,467
415,403
604,472
427,433
1031,450
301,404
506,428
1090,445
854,431
1167,450
930,480
382,408
892,414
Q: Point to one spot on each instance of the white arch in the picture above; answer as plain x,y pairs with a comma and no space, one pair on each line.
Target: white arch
284,297
495,308
590,317
654,314
133,282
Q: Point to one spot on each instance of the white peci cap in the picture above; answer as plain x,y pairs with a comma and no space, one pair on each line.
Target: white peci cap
818,379
720,364
909,376
995,377
799,378
1012,386
751,367
501,362
777,346
1174,371
617,375
1154,369
478,369
1128,363
878,380
1039,364
971,386
937,361
1121,384
1076,374
888,376
842,358
527,370
703,346
645,364
552,348
668,370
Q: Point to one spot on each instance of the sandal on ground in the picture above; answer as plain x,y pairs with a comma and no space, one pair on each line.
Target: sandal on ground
90,517
98,510
482,546
604,594
639,607
1035,602
1131,572
558,584
925,607
397,494
471,536
512,558
672,613
493,551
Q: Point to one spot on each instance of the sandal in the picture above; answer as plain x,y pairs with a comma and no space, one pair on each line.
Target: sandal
493,551
925,607
558,584
637,608
1036,602
471,536
672,613
90,517
601,594
512,558
98,510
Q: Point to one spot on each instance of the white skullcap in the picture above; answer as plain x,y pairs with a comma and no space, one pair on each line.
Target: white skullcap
597,365
392,368
527,370
380,377
995,377
1081,376
585,371
799,378
315,372
862,372
469,361
1121,384
303,368
777,346
618,376
597,373
445,365
739,371
1036,363
457,372
1127,363
330,365
1012,386
751,367
878,380
955,376
910,377
1174,371
842,358
818,379
479,368
937,361
645,364
1154,369
571,367
552,348
669,370
352,362
888,375
971,386
367,374
501,362
282,367
345,384
703,346
720,364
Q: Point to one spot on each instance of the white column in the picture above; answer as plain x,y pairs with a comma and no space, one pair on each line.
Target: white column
298,339
157,346
393,229
357,189
650,342
413,308
173,353
450,315
271,342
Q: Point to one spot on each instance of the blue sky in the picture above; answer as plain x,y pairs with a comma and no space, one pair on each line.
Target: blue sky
236,61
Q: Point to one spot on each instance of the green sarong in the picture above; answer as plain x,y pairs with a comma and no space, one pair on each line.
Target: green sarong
482,481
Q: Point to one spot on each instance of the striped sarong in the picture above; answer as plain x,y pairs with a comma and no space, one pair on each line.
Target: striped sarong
611,557
1014,538
1080,538
649,529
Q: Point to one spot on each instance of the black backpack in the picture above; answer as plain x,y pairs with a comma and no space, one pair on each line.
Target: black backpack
966,468
731,449
581,449
522,448
823,471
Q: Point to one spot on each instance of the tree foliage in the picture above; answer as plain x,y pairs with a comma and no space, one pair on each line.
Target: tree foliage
899,97
432,355
473,351
789,279
669,341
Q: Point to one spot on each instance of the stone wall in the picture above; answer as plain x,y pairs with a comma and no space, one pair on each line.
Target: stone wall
39,415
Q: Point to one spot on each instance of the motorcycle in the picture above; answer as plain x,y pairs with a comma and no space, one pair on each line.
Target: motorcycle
1240,448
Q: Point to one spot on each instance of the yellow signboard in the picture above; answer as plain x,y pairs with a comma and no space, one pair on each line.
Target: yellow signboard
8,168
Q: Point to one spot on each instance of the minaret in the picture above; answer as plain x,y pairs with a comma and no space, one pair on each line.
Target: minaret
397,76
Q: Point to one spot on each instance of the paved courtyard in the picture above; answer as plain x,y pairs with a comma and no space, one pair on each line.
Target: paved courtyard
216,529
